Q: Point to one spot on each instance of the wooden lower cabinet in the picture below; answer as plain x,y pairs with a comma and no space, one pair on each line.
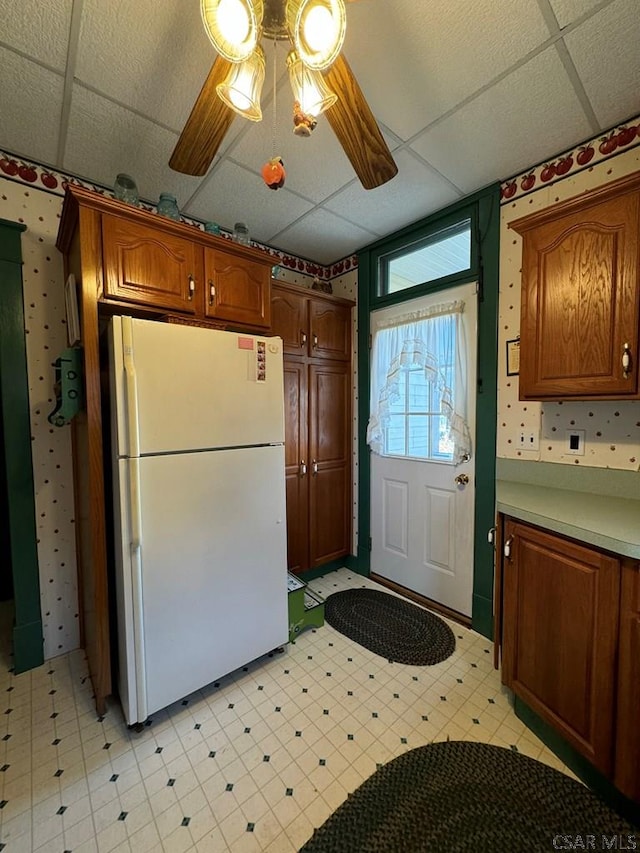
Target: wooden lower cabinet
571,643
627,775
560,635
318,468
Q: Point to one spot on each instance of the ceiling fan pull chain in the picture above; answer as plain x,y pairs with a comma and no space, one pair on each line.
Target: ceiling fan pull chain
274,128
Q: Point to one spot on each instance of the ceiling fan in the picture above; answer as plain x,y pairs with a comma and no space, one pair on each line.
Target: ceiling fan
237,41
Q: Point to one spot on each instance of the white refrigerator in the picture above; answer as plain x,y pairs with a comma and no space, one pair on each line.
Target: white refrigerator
199,506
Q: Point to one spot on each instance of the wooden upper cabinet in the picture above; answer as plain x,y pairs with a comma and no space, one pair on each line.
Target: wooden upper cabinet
580,309
290,319
329,330
237,289
144,265
312,323
141,259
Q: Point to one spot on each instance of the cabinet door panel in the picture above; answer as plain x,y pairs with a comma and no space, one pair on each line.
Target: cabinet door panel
581,297
148,266
330,327
290,320
330,443
296,456
237,289
627,772
560,636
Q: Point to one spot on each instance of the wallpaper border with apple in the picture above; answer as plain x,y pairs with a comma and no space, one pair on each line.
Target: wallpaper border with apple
290,268
622,138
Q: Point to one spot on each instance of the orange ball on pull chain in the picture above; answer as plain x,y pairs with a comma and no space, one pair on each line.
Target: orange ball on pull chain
273,173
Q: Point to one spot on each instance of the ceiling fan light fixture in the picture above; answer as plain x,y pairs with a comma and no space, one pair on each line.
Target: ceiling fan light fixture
309,87
242,87
233,26
317,29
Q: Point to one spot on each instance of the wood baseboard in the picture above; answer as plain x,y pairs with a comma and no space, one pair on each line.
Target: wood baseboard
423,600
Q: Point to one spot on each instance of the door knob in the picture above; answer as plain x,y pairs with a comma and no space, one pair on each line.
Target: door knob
461,480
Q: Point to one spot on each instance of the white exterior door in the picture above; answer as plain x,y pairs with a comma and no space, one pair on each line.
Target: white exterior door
422,503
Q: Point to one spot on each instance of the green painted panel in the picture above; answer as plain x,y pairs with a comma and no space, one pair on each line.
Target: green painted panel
20,503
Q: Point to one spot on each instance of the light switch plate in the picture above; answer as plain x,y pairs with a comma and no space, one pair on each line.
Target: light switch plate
574,442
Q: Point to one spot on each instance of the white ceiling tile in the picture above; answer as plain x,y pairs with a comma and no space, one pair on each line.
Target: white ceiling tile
612,87
33,128
415,61
322,237
233,194
415,192
104,139
472,151
41,30
153,57
567,11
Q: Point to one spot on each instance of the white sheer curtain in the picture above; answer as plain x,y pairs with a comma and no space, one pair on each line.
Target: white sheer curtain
431,338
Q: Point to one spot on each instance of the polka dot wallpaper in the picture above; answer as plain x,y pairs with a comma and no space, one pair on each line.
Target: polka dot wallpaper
612,429
46,337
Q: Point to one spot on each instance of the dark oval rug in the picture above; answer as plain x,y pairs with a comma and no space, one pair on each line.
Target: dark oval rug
464,796
390,627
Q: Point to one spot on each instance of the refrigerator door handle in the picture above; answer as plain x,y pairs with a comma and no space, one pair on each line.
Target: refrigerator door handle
136,588
131,388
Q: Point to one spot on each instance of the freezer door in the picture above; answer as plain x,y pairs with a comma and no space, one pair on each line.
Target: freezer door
211,580
178,388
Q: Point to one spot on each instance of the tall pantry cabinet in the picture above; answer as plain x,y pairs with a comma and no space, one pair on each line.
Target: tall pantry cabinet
316,332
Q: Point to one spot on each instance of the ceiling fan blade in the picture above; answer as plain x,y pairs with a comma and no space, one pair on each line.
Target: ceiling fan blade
356,128
206,127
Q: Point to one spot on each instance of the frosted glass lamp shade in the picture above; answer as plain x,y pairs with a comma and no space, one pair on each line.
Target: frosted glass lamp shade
317,29
309,87
233,26
242,87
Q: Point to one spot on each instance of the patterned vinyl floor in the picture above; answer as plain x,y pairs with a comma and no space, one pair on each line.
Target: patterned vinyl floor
251,763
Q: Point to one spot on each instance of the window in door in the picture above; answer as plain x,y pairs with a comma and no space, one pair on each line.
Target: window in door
416,427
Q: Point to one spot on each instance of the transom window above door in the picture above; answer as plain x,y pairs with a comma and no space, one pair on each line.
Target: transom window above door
439,255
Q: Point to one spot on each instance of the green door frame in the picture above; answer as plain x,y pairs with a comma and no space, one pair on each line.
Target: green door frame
21,515
483,209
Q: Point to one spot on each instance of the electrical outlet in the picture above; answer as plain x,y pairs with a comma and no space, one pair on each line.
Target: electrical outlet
574,442
528,440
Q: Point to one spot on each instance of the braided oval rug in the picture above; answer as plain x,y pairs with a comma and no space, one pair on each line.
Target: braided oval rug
390,626
471,798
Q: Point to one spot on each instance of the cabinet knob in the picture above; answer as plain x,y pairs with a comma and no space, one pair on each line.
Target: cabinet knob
192,286
507,547
314,467
303,468
212,292
315,340
626,361
303,338
491,536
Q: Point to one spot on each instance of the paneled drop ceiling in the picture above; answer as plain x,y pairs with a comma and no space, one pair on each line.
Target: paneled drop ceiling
466,92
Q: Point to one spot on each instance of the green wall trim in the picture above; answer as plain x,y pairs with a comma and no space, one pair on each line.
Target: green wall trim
27,646
14,391
583,769
482,616
484,210
10,247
